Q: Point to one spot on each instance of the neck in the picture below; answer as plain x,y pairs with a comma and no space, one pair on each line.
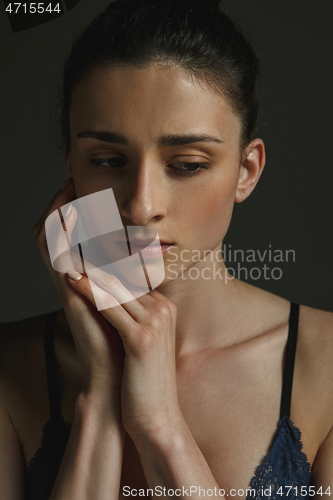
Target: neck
206,296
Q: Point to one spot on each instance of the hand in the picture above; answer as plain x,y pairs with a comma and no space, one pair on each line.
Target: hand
97,342
146,326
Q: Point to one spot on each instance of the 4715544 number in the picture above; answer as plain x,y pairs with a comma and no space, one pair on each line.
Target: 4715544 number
303,491
32,8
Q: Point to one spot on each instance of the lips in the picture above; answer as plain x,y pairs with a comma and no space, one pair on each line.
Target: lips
143,242
147,247
153,250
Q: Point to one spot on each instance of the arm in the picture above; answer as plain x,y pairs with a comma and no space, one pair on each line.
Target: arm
171,459
91,466
149,401
11,460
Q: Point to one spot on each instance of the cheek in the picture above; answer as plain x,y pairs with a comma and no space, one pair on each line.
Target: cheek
210,212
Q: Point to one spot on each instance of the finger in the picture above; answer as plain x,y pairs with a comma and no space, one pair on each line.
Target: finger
156,295
62,254
113,286
137,307
111,309
57,239
160,305
62,197
154,298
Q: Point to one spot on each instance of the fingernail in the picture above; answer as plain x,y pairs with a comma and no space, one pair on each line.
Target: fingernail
65,184
68,210
74,276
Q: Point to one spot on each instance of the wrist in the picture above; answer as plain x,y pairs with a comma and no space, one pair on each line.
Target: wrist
101,404
99,384
169,434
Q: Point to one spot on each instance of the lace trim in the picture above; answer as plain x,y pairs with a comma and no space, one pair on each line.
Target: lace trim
43,467
285,461
299,435
285,464
45,437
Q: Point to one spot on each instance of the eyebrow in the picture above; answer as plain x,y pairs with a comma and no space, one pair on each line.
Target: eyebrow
164,141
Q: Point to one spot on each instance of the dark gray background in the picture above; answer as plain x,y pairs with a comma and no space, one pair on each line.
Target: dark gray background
291,207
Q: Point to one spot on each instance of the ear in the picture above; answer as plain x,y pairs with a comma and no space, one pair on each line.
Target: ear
251,168
68,160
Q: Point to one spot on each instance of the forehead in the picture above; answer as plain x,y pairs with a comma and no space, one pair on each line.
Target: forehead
150,102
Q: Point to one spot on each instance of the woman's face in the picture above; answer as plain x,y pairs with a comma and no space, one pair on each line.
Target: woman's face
170,151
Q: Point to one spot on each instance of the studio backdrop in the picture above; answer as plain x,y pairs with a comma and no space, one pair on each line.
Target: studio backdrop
280,238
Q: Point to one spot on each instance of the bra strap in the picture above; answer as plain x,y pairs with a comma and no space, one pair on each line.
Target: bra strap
289,361
50,361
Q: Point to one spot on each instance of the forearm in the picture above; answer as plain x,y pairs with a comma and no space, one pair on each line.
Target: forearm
172,460
91,466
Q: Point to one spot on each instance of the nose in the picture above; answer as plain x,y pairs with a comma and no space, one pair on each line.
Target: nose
144,196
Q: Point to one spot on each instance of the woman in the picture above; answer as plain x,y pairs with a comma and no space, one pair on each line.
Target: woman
187,386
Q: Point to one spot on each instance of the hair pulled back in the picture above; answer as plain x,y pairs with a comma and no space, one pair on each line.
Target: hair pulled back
193,34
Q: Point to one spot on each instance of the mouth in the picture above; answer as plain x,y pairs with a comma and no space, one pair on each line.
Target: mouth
152,251
148,248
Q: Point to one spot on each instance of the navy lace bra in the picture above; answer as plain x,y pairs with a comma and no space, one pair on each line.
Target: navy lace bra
280,475
285,472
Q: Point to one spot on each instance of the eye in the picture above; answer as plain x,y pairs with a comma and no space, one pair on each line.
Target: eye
188,167
180,167
112,162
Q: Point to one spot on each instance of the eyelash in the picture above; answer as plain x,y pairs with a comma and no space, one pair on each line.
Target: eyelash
97,163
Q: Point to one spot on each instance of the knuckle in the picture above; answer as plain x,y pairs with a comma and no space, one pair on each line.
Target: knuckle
163,310
155,323
109,280
145,339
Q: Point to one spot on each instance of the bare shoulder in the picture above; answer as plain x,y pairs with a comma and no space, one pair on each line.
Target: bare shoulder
315,343
315,361
315,353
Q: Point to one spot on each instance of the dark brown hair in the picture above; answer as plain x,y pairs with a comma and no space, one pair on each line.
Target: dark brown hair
194,34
